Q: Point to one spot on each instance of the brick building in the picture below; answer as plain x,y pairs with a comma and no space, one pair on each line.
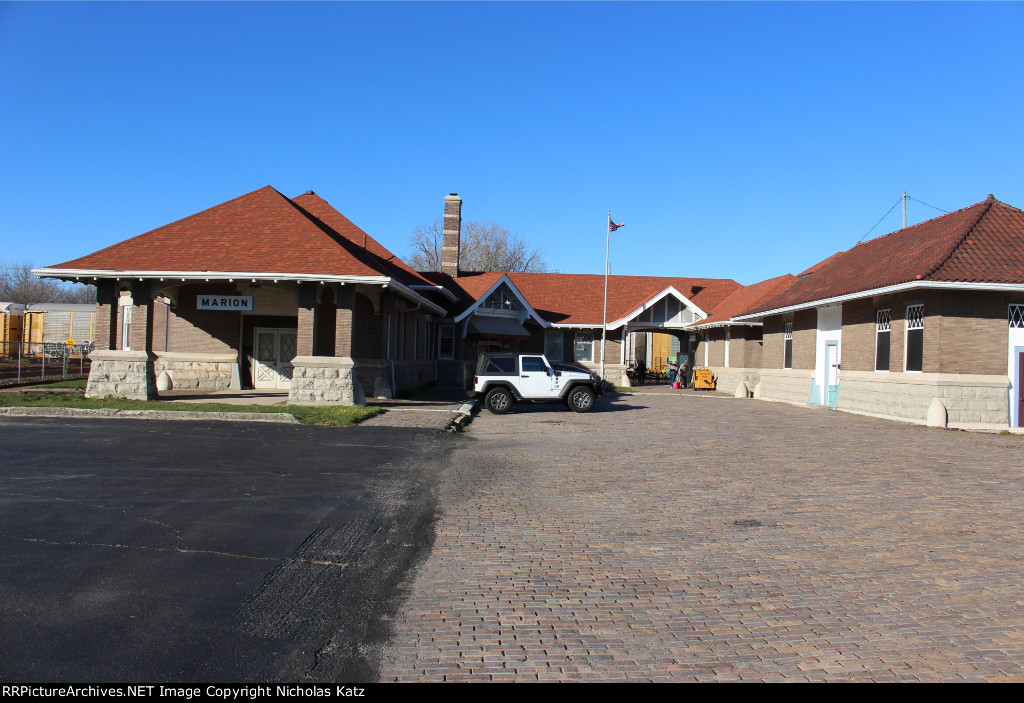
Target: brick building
925,325
262,291
734,350
270,292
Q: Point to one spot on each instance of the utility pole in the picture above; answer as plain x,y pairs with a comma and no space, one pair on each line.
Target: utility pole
904,209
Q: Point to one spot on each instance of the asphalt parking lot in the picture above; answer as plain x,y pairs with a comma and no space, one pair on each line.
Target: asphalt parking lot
144,550
687,537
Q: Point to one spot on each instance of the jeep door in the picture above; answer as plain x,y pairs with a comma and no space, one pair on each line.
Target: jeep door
534,377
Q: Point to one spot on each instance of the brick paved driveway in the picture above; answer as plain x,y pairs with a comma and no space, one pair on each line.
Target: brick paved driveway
680,538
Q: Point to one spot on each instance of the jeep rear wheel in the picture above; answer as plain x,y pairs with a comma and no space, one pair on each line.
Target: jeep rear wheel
581,399
498,401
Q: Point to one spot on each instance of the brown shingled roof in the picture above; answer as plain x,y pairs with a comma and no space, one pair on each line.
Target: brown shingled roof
747,297
259,232
980,243
573,298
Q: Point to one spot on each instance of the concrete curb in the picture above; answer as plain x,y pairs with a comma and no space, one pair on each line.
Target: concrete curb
279,418
462,419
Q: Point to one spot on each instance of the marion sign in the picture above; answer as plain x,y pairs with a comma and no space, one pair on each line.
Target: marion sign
224,302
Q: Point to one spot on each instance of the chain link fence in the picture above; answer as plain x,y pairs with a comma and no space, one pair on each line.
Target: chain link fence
25,362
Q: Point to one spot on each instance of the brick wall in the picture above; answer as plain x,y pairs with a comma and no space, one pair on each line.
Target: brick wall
307,316
805,334
367,330
344,321
197,330
745,347
716,347
805,323
859,334
772,351
971,332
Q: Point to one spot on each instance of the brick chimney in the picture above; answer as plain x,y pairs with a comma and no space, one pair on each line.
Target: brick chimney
451,246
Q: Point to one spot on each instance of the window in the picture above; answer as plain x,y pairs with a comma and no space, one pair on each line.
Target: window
787,343
553,342
501,299
446,342
584,346
883,318
533,363
915,337
501,364
1016,316
126,327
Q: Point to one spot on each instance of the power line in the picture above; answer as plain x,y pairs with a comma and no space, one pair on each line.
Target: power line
927,205
894,207
880,220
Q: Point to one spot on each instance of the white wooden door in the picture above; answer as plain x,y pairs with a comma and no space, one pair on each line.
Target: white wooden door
273,351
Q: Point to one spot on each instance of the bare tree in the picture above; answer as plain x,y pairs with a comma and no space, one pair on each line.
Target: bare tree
19,285
486,246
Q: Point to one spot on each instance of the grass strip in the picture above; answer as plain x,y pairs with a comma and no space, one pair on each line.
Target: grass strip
331,415
78,383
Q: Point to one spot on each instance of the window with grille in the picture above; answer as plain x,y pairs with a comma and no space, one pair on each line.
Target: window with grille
584,346
1017,316
446,342
915,337
883,324
787,354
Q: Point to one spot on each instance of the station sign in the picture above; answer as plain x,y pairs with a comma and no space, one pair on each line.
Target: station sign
224,302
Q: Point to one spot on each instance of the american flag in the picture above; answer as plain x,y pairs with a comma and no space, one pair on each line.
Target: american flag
612,226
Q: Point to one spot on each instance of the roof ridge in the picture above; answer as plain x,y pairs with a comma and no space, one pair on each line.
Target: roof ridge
357,251
392,259
987,203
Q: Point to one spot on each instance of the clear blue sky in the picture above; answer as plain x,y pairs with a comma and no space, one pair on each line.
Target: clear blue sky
739,140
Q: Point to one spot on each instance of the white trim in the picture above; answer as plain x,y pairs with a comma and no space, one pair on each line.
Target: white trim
384,281
530,312
1015,341
906,336
898,288
651,301
887,331
724,323
828,331
438,289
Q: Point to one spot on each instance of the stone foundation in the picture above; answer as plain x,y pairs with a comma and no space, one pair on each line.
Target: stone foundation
198,371
973,402
124,374
784,385
730,378
325,380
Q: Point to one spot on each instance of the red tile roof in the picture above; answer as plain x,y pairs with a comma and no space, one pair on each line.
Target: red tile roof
259,232
818,265
747,297
980,243
570,298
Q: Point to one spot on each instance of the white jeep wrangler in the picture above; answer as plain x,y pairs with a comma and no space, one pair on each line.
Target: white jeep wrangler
503,379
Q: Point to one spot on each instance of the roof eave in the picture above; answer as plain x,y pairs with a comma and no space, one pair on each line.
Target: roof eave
724,323
885,290
383,281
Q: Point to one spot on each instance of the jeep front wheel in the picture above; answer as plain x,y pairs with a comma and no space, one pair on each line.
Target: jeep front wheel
581,399
498,401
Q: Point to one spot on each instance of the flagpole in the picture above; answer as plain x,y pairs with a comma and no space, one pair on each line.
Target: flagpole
604,319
